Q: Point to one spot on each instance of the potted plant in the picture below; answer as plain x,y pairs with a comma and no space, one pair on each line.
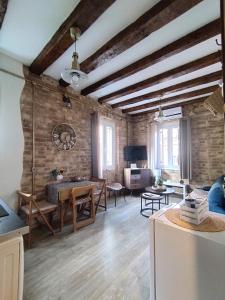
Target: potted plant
160,181
57,174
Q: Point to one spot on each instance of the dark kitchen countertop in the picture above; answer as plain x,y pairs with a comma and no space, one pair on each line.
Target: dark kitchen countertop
11,225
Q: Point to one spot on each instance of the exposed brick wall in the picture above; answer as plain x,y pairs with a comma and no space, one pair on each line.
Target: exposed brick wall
208,159
49,112
208,155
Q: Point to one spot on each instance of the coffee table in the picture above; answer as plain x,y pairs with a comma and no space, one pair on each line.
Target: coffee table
166,193
149,200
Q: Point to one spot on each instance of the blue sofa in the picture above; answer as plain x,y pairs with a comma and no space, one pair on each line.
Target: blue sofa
216,196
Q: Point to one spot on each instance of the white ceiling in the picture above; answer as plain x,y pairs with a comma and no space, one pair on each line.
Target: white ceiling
29,24
189,76
113,20
174,94
193,19
178,102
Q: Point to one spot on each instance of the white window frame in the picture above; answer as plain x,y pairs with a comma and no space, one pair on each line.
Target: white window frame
103,145
168,125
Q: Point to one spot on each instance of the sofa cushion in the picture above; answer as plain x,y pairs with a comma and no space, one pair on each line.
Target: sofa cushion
199,193
220,180
216,196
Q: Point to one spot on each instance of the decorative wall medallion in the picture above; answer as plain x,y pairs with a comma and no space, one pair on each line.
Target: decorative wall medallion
64,136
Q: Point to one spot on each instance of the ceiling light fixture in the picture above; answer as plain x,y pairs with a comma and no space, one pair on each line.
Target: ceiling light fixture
74,75
160,116
221,86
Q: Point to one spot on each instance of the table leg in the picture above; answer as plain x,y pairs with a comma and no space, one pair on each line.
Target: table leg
141,204
115,198
159,204
165,199
62,209
105,198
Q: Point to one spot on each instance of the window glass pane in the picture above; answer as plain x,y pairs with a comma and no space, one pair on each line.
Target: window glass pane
163,145
168,146
109,146
101,142
175,147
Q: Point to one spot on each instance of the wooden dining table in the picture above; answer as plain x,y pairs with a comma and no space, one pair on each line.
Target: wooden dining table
59,193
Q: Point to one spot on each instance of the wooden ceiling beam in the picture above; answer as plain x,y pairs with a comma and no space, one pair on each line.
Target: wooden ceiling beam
169,75
192,101
184,96
158,16
200,35
83,16
174,88
3,8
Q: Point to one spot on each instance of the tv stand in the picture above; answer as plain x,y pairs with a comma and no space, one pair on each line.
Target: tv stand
137,178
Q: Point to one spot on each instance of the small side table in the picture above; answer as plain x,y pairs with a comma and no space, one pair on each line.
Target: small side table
166,193
149,200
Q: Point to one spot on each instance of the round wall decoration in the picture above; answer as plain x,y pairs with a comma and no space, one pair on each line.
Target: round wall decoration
64,136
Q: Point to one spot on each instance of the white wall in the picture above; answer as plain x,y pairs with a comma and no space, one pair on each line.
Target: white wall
11,133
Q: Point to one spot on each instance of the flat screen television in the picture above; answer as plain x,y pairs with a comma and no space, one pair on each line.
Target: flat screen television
134,153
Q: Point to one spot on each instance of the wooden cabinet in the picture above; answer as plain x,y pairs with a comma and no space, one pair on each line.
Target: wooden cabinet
11,269
137,178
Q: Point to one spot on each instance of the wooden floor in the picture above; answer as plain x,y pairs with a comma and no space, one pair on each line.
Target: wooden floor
105,260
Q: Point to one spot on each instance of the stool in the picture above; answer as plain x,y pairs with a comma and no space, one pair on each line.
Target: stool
116,188
151,200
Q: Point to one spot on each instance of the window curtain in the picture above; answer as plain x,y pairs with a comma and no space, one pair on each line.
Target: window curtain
151,143
185,149
95,120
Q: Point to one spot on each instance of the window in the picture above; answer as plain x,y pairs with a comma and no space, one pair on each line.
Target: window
168,145
107,145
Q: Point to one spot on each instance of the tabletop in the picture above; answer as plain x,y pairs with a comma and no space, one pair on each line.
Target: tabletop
168,191
151,196
54,188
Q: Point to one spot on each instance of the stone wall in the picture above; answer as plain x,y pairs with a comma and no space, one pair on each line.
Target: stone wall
208,155
49,111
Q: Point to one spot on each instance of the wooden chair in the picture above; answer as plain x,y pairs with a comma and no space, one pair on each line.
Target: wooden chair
34,209
99,193
81,198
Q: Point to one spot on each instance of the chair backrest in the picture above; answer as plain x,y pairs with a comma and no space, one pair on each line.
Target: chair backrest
24,198
82,191
116,186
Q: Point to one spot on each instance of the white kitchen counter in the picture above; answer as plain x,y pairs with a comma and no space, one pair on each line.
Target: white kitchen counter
12,229
185,264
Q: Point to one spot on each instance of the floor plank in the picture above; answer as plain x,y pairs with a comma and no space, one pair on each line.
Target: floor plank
104,261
